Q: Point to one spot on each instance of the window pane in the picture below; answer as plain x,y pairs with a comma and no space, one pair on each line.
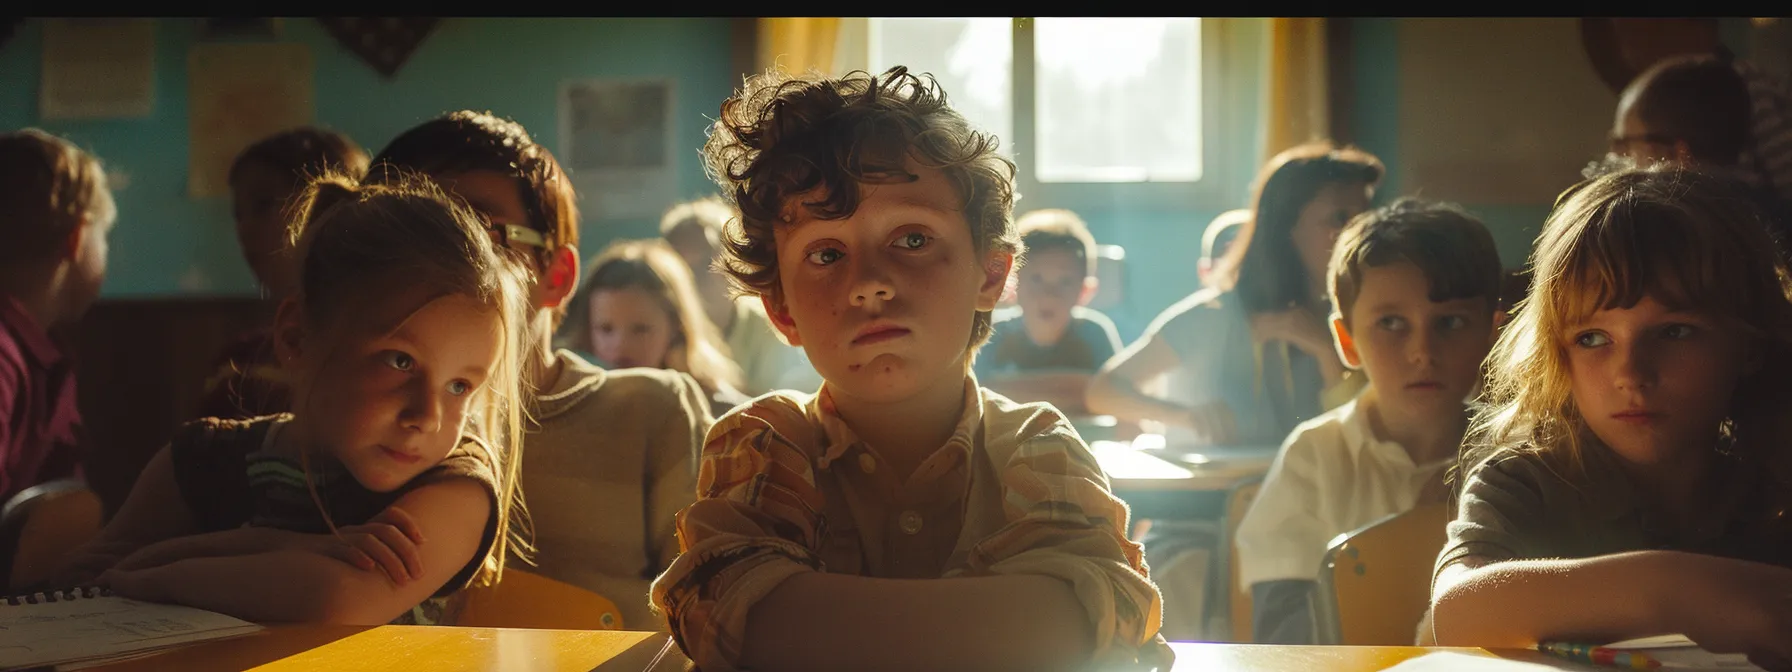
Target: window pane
973,59
1119,100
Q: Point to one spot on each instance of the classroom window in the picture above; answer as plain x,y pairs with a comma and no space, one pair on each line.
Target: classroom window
973,59
1118,99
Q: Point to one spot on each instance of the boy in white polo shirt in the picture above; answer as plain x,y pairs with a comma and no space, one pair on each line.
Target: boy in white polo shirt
1415,288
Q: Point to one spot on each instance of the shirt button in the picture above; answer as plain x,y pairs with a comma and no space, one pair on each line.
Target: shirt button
867,463
910,522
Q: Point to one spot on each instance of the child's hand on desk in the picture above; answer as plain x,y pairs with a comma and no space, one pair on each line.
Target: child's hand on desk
137,584
1211,422
1744,611
388,542
89,562
153,555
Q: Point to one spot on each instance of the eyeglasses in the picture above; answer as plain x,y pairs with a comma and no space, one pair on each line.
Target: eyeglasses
506,234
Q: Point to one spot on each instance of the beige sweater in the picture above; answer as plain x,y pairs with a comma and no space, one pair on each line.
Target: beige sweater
610,462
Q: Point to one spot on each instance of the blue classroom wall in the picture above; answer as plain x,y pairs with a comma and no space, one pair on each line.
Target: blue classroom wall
170,245
1375,115
167,244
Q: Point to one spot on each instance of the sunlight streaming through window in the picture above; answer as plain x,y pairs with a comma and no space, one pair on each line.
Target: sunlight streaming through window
1118,100
973,59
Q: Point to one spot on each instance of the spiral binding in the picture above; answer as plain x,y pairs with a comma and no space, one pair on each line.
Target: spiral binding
49,596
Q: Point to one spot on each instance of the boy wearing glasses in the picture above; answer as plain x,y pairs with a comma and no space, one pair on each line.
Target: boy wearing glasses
1695,111
608,456
1646,42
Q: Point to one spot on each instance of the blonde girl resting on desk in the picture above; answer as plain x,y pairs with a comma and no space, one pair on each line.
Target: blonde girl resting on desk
392,483
1628,477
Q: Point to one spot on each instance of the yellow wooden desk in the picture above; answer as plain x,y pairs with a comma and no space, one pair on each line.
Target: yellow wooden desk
396,647
292,648
1191,657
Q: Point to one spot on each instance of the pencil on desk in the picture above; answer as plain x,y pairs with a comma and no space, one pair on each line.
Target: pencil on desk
1599,655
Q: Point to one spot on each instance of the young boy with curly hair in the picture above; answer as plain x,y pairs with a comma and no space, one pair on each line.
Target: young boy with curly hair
901,517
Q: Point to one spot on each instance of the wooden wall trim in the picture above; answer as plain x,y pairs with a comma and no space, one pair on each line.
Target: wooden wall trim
141,366
1340,84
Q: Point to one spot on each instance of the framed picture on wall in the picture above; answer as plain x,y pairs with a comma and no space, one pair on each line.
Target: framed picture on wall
616,139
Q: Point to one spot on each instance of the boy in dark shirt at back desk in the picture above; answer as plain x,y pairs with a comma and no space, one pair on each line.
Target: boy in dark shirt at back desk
1046,348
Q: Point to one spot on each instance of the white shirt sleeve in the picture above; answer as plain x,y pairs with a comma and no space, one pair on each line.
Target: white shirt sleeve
1285,533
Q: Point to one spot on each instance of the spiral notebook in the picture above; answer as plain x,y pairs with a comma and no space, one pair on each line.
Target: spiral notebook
85,626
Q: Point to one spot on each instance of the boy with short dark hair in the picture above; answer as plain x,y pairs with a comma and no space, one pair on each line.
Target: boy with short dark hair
1646,42
1045,348
1695,111
52,263
1691,109
265,179
1415,288
901,517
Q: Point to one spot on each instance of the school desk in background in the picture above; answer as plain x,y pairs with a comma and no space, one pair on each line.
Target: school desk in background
1160,481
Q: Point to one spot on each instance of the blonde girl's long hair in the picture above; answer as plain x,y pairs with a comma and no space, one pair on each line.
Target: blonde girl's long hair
653,267
352,239
1686,238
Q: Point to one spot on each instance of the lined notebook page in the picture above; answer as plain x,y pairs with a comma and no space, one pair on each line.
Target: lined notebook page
86,628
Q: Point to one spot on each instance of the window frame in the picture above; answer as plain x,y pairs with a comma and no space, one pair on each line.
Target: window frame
1230,98
1233,60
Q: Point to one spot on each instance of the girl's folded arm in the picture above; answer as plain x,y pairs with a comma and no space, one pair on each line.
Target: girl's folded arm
1518,603
237,541
153,512
293,584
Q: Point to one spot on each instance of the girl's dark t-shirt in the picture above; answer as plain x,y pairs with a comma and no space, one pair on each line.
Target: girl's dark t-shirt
229,478
1527,505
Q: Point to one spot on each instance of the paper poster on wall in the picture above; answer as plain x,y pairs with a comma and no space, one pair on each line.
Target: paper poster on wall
238,94
98,69
616,139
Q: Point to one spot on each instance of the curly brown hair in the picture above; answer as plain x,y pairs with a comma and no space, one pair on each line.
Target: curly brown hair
782,136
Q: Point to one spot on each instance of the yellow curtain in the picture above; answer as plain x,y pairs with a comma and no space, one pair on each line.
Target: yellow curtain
1299,110
798,44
